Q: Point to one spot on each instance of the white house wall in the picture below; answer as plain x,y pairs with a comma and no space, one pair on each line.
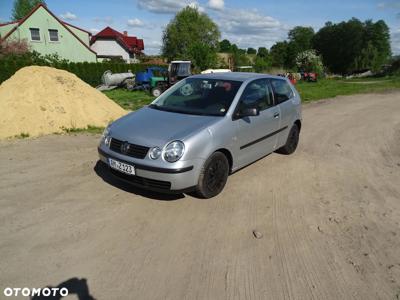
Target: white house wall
109,48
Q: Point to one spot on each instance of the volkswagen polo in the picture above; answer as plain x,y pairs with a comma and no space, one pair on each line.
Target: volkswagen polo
202,129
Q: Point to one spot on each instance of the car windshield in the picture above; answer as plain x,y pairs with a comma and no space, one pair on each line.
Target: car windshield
199,96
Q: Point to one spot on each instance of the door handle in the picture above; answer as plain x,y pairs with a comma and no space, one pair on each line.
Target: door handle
276,115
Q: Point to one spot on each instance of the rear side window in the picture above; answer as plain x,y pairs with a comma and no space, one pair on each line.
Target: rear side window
282,90
256,95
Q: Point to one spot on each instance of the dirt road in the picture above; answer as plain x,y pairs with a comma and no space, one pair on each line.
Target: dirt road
329,216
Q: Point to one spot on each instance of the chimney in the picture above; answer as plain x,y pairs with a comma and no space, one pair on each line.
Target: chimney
125,33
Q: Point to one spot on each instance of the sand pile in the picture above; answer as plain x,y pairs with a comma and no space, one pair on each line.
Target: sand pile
43,100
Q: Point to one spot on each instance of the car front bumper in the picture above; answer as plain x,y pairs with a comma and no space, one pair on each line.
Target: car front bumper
179,179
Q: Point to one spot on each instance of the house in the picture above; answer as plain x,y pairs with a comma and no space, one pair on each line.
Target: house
47,34
110,43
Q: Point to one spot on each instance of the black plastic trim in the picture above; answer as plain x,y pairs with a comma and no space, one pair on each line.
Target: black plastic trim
263,138
148,168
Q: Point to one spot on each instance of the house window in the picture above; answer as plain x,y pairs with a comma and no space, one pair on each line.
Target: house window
35,34
53,34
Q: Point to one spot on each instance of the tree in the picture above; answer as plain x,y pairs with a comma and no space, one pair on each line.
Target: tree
300,40
283,54
251,51
188,32
225,46
278,54
23,7
261,64
203,56
351,46
301,37
262,52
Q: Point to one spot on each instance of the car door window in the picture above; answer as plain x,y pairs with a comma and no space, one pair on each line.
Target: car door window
282,90
257,94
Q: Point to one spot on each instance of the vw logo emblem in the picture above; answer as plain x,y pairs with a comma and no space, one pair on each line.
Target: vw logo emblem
125,147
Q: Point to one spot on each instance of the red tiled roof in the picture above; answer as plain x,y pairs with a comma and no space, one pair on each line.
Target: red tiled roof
8,23
131,43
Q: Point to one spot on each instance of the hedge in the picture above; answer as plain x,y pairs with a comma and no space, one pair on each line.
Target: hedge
89,72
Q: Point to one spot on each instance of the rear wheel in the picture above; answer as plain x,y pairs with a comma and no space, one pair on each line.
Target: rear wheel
292,141
213,176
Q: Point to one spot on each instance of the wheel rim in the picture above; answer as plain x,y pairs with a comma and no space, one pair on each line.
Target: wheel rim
216,176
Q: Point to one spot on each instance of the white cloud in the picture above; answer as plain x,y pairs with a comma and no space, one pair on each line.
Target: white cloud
68,16
216,4
135,23
389,5
94,30
244,27
250,28
167,6
105,20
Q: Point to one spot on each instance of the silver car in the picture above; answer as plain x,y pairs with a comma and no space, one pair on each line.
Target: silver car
202,129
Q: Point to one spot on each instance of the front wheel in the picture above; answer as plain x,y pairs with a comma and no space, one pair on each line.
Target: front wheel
213,176
291,142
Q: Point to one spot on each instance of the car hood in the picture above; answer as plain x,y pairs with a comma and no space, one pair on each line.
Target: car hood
152,127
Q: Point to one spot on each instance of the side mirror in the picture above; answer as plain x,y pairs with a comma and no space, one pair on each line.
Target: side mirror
249,112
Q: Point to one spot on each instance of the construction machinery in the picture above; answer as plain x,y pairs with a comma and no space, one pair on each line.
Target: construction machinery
177,70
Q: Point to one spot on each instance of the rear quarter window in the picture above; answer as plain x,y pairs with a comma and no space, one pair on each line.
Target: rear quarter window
282,90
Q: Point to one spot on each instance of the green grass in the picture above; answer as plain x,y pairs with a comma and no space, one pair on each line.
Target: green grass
130,100
329,88
89,129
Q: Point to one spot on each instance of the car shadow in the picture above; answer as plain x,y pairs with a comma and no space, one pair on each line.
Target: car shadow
75,286
103,172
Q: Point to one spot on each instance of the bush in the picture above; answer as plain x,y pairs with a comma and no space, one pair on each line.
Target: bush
89,72
309,61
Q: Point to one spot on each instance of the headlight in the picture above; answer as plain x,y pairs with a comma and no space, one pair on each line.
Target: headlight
174,151
155,153
105,137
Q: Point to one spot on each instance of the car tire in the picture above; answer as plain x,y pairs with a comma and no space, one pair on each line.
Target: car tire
291,142
213,176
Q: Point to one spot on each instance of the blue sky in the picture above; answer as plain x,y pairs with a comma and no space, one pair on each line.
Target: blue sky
248,23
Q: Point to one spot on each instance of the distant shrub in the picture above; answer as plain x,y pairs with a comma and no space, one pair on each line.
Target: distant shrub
309,61
17,47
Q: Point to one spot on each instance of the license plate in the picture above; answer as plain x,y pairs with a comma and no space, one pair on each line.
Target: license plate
122,167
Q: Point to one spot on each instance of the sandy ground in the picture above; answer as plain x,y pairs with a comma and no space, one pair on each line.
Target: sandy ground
42,100
329,218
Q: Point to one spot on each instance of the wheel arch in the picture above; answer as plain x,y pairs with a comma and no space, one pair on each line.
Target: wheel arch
298,123
228,155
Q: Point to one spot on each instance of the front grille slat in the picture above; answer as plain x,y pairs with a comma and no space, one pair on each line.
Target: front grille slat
145,182
136,151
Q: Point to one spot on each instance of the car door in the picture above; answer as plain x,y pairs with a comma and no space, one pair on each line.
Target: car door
283,94
256,135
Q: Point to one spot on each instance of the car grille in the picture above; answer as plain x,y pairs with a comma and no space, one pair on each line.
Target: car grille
145,182
134,150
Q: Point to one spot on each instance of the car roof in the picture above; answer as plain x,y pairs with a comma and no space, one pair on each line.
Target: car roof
236,76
